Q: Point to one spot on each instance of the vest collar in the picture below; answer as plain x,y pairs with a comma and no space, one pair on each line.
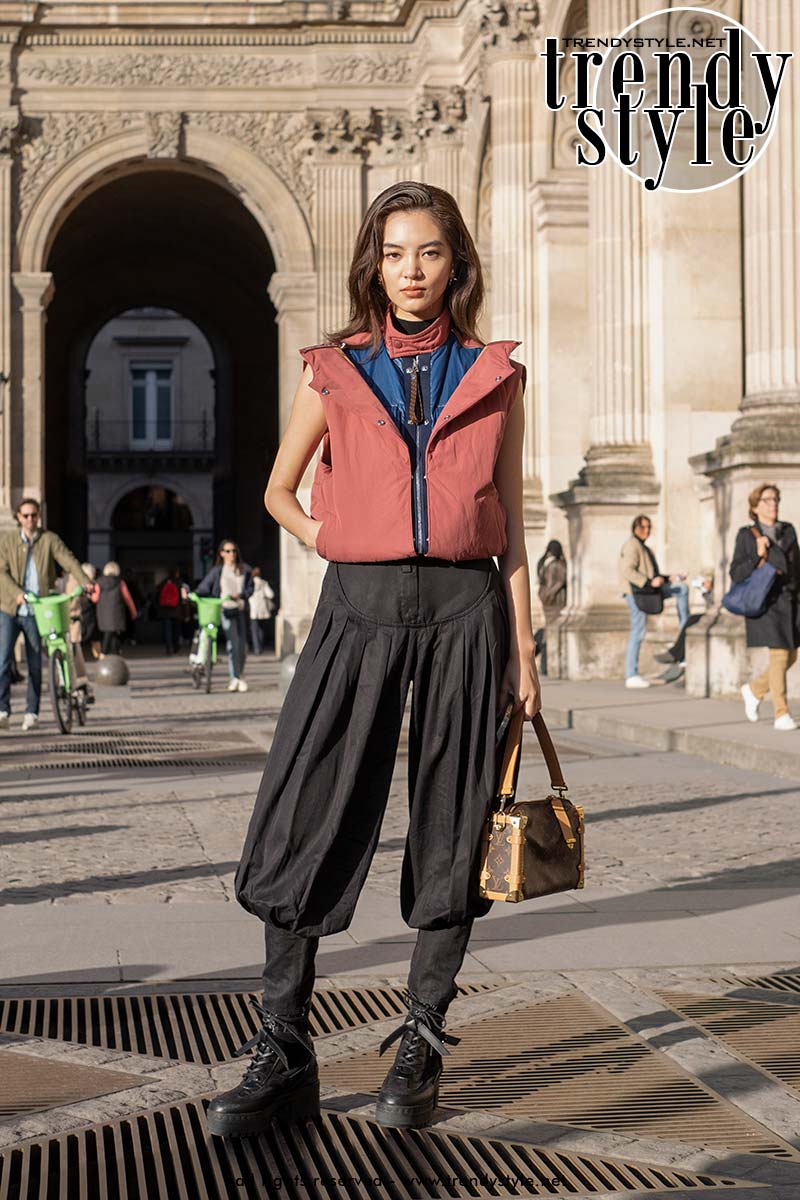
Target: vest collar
402,345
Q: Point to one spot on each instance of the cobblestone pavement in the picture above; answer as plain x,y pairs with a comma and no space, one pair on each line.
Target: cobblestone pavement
174,833
673,1068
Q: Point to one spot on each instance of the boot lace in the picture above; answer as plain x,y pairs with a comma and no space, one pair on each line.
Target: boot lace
265,1045
423,1026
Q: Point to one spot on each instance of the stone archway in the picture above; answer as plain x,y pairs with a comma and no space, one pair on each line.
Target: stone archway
106,163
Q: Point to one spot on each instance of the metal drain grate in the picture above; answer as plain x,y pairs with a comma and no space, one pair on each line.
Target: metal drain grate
166,1154
202,1027
567,1060
103,750
781,981
767,1034
32,1084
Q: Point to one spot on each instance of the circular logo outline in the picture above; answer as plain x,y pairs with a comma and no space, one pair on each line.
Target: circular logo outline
706,12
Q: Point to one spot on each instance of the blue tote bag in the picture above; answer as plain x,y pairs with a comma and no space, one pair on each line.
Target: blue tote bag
748,598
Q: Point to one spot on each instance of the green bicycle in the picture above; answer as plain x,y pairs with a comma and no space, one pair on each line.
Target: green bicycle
203,654
52,621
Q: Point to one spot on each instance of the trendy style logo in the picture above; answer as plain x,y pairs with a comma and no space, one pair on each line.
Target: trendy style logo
684,99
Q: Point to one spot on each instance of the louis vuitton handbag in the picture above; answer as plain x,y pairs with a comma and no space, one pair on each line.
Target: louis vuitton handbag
530,847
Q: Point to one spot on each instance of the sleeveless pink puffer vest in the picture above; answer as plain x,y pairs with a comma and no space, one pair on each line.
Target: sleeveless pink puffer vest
362,485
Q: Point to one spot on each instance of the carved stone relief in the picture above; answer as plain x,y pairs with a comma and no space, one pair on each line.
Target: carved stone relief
368,68
138,69
509,24
9,130
440,111
164,130
48,142
281,139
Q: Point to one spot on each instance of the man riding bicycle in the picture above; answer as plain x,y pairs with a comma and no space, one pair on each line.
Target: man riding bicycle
28,559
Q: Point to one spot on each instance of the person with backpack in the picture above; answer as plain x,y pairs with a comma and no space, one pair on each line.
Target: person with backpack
418,486
113,602
169,611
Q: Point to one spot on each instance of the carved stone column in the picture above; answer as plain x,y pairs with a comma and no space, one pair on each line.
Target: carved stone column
764,442
508,31
340,139
394,155
8,125
560,206
294,297
35,290
440,117
617,480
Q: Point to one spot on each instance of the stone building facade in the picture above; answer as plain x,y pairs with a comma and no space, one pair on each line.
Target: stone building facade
215,159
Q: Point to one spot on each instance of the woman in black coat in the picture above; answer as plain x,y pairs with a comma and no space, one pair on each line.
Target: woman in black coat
775,541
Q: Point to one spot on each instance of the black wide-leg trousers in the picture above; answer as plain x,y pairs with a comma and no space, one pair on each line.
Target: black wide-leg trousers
442,627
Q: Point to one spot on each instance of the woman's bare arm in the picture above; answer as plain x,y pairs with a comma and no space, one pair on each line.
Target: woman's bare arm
304,431
514,563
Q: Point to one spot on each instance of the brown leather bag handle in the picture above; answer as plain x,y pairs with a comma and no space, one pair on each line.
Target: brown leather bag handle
513,749
557,782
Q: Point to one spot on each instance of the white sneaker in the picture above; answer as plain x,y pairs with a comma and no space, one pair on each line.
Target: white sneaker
3,720
785,723
636,681
233,686
242,685
30,721
751,702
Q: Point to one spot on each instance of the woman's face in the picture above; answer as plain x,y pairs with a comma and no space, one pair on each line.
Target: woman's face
767,507
415,266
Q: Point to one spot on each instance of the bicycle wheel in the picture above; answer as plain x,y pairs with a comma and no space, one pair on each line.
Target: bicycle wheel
209,663
59,696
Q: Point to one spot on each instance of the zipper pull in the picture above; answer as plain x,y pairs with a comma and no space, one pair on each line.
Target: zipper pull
415,412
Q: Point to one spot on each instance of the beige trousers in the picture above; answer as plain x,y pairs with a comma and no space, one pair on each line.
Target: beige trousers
774,679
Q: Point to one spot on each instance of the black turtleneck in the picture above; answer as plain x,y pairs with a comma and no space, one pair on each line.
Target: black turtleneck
411,326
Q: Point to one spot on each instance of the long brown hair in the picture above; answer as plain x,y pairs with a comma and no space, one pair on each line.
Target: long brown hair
368,302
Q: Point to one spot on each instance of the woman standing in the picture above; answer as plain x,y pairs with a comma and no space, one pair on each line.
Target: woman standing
113,602
418,485
233,578
767,539
261,605
551,574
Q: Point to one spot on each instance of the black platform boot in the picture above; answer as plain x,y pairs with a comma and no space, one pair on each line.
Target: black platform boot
281,1080
410,1091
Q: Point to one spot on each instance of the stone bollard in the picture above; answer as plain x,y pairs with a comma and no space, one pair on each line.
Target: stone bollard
112,671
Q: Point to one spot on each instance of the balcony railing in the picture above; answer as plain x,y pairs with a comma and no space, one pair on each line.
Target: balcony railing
105,436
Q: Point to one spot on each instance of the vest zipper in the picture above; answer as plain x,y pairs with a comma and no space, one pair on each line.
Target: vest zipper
420,485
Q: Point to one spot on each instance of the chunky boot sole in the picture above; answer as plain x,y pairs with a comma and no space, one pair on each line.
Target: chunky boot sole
292,1107
406,1116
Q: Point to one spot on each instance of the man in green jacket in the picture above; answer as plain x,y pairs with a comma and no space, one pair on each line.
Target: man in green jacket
28,558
